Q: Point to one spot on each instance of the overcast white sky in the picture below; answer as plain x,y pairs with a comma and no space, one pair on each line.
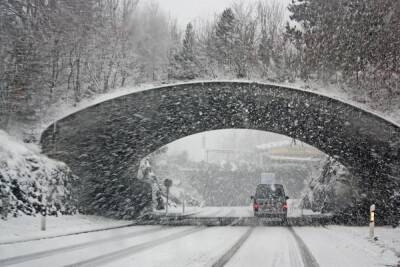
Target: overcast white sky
190,10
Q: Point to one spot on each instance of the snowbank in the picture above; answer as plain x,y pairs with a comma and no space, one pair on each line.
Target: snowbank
387,236
28,227
350,246
28,179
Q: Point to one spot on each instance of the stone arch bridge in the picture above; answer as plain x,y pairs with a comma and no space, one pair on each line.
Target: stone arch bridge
105,142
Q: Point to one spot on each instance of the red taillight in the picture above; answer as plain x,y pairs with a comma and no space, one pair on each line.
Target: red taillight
285,205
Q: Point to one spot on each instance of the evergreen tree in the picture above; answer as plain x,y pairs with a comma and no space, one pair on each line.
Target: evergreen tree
360,43
264,52
269,52
188,43
244,55
224,39
188,56
174,60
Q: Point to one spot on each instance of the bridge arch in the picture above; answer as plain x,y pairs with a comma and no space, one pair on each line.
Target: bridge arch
106,140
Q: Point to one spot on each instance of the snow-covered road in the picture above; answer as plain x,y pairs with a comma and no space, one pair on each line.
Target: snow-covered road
224,212
245,211
205,246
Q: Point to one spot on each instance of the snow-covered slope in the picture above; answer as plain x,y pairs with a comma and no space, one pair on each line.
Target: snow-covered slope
28,179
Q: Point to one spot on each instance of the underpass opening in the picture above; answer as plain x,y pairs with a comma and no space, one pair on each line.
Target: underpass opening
216,172
106,142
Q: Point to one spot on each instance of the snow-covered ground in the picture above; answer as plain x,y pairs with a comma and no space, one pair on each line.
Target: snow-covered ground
28,227
74,243
178,211
387,237
201,248
268,246
350,246
210,246
206,211
224,212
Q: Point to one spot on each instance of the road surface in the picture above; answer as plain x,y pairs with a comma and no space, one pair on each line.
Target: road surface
246,211
200,246
224,212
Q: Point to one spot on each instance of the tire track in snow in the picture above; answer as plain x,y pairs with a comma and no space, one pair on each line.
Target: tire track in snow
306,255
116,255
295,255
48,253
229,254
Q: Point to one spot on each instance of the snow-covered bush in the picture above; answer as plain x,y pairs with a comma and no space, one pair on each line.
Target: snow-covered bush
331,189
335,191
348,197
29,180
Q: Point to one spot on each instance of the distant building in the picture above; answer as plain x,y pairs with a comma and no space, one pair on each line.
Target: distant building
226,155
287,152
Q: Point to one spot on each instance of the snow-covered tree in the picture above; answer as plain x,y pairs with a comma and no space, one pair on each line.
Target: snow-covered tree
224,40
361,44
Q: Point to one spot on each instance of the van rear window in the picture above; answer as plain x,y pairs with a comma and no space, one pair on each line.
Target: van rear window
269,191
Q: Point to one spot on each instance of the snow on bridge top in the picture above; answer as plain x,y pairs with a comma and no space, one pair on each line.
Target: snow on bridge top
61,110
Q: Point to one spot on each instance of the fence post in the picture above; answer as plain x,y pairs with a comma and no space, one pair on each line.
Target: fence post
166,206
371,221
43,218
